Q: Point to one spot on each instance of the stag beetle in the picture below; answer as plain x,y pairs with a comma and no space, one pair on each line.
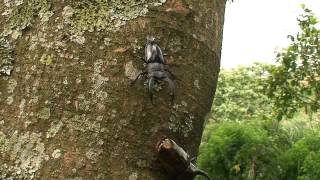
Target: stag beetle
175,160
155,68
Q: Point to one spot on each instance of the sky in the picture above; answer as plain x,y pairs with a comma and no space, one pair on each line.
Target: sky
255,29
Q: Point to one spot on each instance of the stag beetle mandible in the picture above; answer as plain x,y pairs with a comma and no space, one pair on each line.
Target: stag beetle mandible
155,68
175,160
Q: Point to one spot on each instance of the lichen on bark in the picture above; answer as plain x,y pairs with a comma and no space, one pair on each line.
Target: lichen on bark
19,14
100,15
6,57
25,150
181,120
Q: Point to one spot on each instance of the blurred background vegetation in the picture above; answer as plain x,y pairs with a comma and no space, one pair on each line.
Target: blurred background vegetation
265,118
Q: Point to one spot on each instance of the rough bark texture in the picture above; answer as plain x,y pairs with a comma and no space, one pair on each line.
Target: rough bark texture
66,108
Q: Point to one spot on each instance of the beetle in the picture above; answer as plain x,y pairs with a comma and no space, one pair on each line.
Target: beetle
175,160
155,68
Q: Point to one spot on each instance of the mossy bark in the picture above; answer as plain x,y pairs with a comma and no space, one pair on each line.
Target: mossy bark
67,110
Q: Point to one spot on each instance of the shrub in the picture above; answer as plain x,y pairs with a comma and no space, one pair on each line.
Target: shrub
302,161
239,151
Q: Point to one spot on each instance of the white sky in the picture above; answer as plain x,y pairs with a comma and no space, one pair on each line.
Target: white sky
254,29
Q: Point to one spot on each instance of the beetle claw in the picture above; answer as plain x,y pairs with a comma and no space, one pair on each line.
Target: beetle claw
134,81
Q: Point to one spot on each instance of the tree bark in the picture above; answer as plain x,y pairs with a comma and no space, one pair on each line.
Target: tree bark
67,110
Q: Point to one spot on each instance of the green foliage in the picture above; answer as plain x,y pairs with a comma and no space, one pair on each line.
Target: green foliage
302,161
264,150
295,83
240,94
239,151
311,166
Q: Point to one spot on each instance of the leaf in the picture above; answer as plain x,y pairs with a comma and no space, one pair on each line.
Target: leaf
313,20
237,168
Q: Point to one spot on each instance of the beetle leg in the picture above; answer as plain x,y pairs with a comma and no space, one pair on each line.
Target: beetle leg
144,60
171,74
143,73
151,82
171,87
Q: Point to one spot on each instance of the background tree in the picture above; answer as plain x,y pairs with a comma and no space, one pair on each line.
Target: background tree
295,82
66,107
241,94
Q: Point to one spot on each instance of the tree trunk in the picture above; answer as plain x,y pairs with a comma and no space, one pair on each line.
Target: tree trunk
67,109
